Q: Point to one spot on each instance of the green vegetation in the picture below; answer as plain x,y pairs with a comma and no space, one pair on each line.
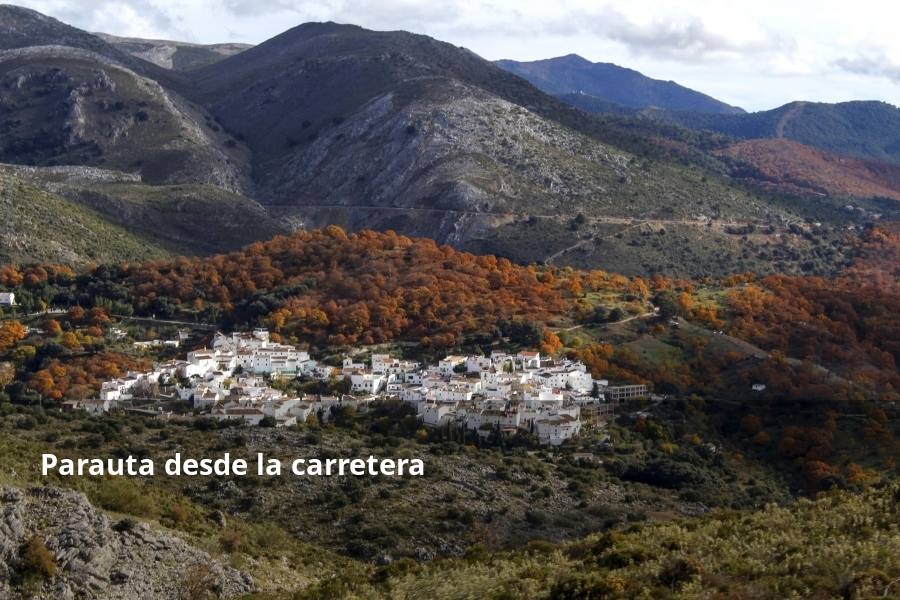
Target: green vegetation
840,545
41,226
866,129
189,219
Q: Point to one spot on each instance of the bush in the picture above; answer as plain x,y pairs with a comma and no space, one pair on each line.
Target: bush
125,525
590,586
198,581
677,572
231,541
37,560
123,495
179,514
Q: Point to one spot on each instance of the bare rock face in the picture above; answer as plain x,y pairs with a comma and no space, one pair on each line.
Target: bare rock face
99,559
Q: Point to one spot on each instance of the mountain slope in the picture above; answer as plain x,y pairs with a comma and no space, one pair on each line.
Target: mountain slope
607,82
62,105
23,28
391,130
865,129
39,226
794,168
330,123
168,54
187,219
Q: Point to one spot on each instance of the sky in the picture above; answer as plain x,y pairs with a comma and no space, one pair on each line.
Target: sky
757,55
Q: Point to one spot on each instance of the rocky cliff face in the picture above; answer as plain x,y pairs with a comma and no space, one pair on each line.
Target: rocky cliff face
96,558
63,105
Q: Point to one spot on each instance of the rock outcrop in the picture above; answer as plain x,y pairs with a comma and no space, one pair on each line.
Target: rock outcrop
97,558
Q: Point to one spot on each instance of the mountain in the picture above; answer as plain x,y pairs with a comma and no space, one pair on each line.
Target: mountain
864,129
40,226
606,82
391,130
25,28
791,167
68,97
179,56
187,219
330,123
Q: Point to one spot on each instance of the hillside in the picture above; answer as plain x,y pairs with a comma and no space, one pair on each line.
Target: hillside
39,226
609,83
70,106
794,168
24,28
456,150
186,219
330,123
725,555
168,54
864,129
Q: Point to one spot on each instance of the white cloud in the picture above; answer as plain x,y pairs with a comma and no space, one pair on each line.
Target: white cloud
875,65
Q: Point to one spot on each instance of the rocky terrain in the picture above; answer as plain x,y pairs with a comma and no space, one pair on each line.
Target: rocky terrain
62,105
93,556
330,123
168,54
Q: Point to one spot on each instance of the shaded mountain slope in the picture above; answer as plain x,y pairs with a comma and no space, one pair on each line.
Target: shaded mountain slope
607,82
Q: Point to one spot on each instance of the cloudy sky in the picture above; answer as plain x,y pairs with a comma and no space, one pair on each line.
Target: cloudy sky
757,54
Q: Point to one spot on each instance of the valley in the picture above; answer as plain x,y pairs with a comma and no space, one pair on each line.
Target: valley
642,342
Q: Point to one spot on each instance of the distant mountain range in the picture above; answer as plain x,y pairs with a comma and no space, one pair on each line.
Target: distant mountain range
865,129
606,82
330,123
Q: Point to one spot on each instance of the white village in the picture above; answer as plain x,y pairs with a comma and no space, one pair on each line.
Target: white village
501,393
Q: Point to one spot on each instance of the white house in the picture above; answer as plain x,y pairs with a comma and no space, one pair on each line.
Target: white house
366,383
250,415
436,415
96,407
7,299
449,363
349,366
554,430
477,364
529,359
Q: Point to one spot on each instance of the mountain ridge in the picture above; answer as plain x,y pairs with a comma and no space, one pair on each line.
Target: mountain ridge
573,74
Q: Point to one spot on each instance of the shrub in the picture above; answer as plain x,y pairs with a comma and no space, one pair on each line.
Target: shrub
179,514
198,581
590,586
678,572
37,560
231,541
123,495
125,525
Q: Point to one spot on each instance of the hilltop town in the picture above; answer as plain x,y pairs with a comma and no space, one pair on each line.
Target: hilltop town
237,379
